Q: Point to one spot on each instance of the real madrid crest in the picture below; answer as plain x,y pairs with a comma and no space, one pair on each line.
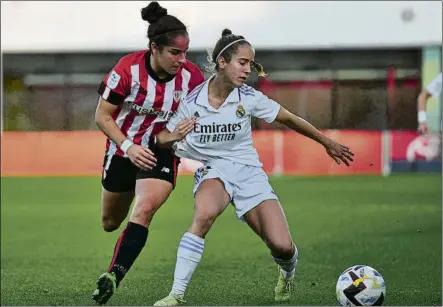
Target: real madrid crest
240,111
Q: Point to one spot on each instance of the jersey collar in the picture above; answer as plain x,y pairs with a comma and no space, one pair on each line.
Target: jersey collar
202,98
151,71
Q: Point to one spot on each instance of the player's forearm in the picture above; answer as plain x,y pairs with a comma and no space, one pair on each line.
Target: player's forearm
303,127
165,138
108,126
421,107
422,101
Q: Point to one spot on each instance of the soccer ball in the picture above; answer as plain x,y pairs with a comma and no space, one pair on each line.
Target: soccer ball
360,285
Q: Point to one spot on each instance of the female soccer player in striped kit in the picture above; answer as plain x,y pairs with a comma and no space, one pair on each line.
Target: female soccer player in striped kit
137,98
219,121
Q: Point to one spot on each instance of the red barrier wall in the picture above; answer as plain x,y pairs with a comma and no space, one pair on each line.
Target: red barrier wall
80,153
52,153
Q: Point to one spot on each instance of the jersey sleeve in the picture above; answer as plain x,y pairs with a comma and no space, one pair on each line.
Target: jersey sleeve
116,85
264,107
180,114
435,87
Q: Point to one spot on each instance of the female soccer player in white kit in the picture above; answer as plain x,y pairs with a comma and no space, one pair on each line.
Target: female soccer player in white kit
432,90
218,116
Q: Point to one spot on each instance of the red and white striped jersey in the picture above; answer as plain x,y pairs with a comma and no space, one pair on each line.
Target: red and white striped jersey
145,102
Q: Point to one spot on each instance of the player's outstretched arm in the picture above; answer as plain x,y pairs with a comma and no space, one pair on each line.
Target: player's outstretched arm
166,138
336,151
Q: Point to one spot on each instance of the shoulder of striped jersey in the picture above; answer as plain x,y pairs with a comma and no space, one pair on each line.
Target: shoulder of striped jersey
191,67
132,58
247,90
197,76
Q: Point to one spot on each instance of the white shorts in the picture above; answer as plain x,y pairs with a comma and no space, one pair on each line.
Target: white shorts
246,185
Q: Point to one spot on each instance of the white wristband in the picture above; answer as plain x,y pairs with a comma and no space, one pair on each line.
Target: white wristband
421,117
125,145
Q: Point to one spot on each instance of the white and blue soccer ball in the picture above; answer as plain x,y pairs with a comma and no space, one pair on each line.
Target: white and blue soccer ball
361,285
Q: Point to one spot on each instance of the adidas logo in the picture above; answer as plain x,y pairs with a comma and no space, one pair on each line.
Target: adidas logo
166,170
196,114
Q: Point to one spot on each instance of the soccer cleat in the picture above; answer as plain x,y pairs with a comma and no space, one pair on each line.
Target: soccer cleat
284,287
171,300
106,285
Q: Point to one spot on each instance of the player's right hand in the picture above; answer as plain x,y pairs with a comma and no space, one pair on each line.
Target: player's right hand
141,157
183,128
338,152
423,128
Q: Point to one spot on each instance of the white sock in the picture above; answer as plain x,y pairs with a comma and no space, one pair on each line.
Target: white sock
288,265
189,254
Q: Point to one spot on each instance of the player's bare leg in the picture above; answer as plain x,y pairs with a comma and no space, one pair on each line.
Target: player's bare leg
114,208
150,194
269,222
211,199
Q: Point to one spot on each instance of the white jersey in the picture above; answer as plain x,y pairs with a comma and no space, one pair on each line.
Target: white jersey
435,87
223,133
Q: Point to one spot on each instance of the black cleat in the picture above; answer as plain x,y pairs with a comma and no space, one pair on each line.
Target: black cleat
106,285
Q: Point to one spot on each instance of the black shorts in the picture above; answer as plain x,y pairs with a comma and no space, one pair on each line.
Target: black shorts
119,173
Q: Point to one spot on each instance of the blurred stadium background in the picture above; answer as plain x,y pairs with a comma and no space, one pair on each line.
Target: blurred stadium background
353,69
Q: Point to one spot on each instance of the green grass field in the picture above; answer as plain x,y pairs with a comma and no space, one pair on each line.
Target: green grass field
53,247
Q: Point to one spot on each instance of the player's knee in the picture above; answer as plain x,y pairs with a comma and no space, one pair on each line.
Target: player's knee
144,212
203,222
109,225
282,248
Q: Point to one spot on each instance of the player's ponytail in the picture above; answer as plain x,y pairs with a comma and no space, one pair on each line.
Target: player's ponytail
163,28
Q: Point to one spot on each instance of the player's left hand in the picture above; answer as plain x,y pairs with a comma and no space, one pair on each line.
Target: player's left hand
183,128
339,152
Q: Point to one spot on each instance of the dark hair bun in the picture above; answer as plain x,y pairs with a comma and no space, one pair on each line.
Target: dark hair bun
226,32
153,12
